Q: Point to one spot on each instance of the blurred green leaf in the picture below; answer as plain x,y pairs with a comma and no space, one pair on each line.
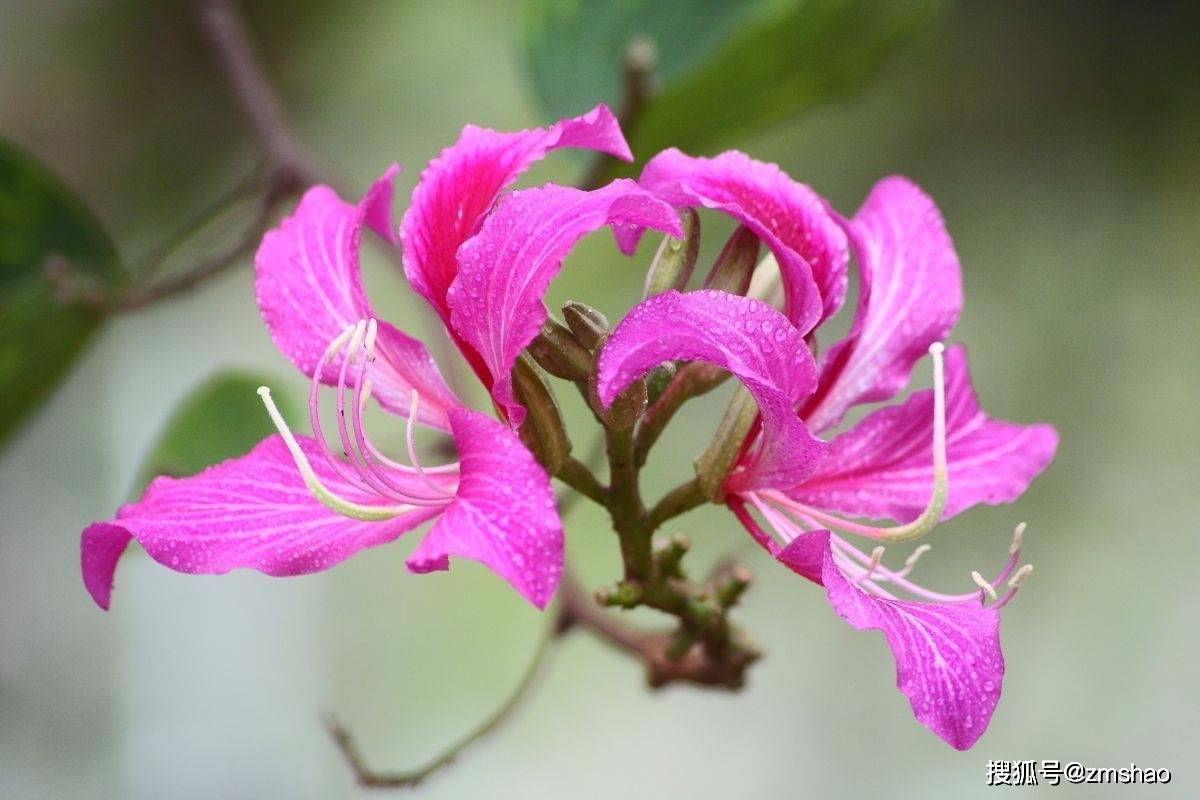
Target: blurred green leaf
42,224
725,70
222,418
574,47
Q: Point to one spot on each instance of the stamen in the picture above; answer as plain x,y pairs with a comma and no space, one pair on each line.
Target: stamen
932,514
876,555
323,494
1018,534
988,589
413,407
360,330
1020,577
915,556
369,342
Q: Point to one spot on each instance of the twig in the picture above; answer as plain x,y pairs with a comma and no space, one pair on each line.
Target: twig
228,37
369,778
681,499
637,67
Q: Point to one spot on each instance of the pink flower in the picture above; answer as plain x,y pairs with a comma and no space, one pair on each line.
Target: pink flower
293,506
917,462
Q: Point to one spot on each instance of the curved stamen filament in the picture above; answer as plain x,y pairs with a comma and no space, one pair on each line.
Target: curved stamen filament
413,407
322,493
314,415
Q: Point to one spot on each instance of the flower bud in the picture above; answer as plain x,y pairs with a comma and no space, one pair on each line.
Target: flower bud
715,462
676,258
556,351
734,267
543,431
587,324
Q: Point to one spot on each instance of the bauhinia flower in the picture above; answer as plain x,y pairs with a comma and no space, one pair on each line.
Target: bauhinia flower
293,505
917,462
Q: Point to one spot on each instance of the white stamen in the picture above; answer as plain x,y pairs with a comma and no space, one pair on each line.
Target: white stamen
988,589
364,395
1016,542
876,555
356,339
369,342
336,345
318,490
1019,578
912,559
413,408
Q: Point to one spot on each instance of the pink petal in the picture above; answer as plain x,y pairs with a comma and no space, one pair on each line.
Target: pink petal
309,289
749,339
460,186
948,659
253,512
910,294
504,515
883,466
496,300
789,217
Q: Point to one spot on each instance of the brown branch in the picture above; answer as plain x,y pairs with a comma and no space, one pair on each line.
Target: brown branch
227,35
637,67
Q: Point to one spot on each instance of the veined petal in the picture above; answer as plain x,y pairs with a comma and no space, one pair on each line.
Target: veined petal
948,659
309,289
789,217
749,339
883,466
461,185
504,271
910,293
504,515
253,512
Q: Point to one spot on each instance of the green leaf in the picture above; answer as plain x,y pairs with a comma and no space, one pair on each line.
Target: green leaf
42,223
222,418
574,47
725,70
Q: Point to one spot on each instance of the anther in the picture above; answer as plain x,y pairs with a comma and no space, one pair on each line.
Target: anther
1016,540
988,589
369,342
356,339
1019,578
912,559
876,555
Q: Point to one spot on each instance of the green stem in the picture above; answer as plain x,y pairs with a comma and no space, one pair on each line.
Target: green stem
681,499
369,778
575,473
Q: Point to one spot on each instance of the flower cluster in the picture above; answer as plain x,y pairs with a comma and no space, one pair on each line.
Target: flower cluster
483,259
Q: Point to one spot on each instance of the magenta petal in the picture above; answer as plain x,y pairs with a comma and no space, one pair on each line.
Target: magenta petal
504,271
883,466
948,659
747,338
253,511
460,186
910,293
504,515
789,217
309,290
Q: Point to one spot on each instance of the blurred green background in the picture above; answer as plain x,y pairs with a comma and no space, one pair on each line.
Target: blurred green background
1062,143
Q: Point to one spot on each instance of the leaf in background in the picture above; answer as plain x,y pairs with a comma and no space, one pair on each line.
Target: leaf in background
574,47
42,220
752,65
222,418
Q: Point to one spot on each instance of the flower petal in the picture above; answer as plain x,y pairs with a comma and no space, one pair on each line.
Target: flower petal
910,293
253,511
496,300
309,290
948,659
747,338
789,217
461,185
504,515
883,466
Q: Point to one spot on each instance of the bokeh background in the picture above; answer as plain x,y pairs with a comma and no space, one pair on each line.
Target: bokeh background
1059,139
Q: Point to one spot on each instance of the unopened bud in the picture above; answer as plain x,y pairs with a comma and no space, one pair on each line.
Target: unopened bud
732,270
556,351
676,258
587,324
715,462
542,431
